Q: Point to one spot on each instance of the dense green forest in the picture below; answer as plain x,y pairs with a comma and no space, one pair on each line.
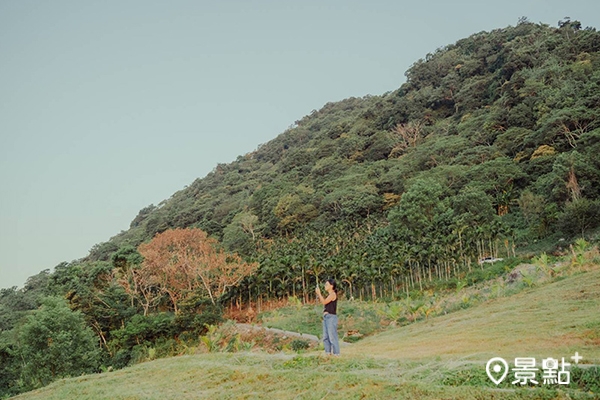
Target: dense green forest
490,146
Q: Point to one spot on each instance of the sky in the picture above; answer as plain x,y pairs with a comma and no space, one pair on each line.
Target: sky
108,107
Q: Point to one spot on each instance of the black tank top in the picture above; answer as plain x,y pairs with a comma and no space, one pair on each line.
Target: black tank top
331,307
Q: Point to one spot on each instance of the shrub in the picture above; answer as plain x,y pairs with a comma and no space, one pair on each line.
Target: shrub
587,379
299,345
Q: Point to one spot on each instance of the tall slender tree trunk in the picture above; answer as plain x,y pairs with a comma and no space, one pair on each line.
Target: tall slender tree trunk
304,293
429,269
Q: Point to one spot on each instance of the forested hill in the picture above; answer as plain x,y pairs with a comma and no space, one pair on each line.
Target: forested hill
494,137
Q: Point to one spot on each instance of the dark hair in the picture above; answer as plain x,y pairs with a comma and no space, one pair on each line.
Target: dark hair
332,283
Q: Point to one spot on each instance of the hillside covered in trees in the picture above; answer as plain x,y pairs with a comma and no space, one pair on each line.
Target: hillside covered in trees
491,145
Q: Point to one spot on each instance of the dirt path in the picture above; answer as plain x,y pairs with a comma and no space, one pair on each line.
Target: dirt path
284,334
258,328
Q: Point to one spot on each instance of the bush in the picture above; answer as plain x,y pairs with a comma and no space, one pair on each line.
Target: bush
490,271
299,345
587,379
196,315
579,216
143,329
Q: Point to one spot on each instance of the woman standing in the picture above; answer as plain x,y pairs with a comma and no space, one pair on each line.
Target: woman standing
330,318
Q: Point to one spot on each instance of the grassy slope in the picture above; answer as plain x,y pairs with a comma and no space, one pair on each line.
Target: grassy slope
415,361
551,321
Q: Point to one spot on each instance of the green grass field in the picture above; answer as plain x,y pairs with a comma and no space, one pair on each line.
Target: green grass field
441,357
554,320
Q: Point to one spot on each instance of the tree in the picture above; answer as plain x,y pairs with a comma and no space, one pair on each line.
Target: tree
182,261
240,235
532,207
421,221
15,303
10,367
496,178
408,135
128,274
473,219
295,208
579,215
353,202
54,342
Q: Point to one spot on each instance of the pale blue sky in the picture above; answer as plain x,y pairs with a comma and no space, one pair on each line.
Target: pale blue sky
109,106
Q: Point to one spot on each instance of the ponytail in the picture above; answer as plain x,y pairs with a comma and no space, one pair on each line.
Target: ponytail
333,284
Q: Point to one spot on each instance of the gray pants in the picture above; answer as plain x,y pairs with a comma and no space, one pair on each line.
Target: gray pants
330,334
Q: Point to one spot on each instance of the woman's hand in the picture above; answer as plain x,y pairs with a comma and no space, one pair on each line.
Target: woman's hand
318,291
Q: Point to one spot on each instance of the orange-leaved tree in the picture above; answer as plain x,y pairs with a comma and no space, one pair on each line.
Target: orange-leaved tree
185,261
